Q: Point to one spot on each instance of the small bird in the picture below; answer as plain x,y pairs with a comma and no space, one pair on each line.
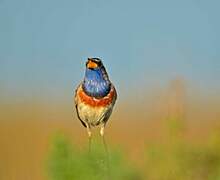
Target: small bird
95,97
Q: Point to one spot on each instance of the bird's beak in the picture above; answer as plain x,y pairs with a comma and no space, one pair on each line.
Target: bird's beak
90,64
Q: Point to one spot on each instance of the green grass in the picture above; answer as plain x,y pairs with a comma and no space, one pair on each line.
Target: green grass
68,162
173,159
182,160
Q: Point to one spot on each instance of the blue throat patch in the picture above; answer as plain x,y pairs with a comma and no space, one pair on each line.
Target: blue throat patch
96,83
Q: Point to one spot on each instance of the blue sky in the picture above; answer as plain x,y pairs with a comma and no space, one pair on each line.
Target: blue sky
44,43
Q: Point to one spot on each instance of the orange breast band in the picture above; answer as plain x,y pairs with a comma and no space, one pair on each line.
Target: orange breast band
102,102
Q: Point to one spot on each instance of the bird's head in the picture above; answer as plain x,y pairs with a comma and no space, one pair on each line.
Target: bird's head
94,63
96,82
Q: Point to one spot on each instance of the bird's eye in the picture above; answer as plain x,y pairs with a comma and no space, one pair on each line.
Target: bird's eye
99,63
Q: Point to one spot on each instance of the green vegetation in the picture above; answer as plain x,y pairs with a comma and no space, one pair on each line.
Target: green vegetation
173,158
182,160
67,162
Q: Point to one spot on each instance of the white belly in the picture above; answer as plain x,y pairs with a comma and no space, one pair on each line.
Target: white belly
91,115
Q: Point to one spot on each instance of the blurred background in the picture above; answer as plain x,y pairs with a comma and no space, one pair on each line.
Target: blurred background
162,56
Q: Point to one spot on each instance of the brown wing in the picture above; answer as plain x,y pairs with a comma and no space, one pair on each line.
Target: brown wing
76,106
109,112
107,115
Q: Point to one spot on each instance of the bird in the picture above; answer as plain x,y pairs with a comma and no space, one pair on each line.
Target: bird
95,97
